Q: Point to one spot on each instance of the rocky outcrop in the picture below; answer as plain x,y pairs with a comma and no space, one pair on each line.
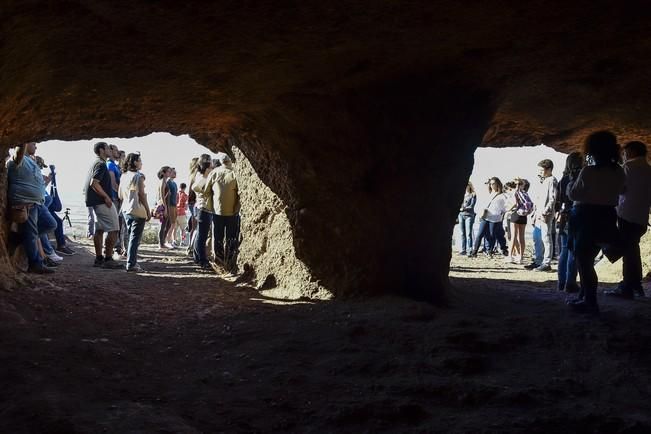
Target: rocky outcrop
358,121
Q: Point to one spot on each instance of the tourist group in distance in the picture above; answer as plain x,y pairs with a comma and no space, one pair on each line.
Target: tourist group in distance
601,204
118,210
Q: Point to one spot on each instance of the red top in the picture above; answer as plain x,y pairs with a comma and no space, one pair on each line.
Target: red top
182,203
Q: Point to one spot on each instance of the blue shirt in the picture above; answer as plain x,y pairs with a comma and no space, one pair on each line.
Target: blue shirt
174,189
25,182
112,167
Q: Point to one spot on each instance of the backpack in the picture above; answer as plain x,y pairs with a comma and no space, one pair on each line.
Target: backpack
525,204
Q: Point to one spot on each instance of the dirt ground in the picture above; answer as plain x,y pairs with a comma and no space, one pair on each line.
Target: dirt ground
175,350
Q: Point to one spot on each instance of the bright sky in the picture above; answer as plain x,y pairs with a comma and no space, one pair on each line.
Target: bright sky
509,163
73,160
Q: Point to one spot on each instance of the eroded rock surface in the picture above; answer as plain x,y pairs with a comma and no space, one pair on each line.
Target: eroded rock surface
360,119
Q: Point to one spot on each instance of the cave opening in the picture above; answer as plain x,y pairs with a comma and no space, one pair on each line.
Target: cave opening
491,250
72,159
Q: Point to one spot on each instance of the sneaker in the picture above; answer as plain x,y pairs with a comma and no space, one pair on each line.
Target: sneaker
65,251
463,253
509,260
544,267
531,266
111,264
136,269
50,263
98,262
53,256
39,269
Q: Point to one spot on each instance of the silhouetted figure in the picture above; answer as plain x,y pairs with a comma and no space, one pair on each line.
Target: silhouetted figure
633,217
593,222
566,262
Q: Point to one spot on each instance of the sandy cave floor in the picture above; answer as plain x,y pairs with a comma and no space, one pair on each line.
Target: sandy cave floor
175,350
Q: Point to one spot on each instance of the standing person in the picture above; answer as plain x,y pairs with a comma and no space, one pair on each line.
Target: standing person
192,199
172,200
523,206
490,222
633,217
467,218
204,213
98,189
509,193
181,216
566,261
162,205
134,207
112,164
593,222
222,185
543,218
25,196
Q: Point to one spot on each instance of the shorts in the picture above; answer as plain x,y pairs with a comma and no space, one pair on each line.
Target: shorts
518,219
106,219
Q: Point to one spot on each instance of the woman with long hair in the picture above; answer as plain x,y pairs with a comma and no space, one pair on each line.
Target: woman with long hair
162,205
204,213
521,208
467,218
490,222
593,220
566,262
134,207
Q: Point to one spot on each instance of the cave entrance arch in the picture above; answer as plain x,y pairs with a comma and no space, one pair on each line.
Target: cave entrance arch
267,258
506,164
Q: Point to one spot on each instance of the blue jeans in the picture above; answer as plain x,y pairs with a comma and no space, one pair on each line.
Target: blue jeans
566,264
39,223
135,228
538,247
483,233
204,219
465,225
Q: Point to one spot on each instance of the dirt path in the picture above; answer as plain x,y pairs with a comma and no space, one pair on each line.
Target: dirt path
174,350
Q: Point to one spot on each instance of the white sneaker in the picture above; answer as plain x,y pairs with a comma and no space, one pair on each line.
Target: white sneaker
54,257
509,260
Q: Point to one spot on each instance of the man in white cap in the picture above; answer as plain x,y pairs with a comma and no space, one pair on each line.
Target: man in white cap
222,185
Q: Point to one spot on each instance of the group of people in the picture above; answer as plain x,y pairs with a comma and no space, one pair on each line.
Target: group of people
601,203
33,210
118,206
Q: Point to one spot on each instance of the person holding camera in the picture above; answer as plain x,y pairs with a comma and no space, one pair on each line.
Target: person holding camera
26,199
490,222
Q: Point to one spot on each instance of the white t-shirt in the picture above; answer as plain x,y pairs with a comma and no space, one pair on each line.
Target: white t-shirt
496,207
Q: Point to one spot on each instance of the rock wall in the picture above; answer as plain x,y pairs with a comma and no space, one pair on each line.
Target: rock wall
360,119
267,253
